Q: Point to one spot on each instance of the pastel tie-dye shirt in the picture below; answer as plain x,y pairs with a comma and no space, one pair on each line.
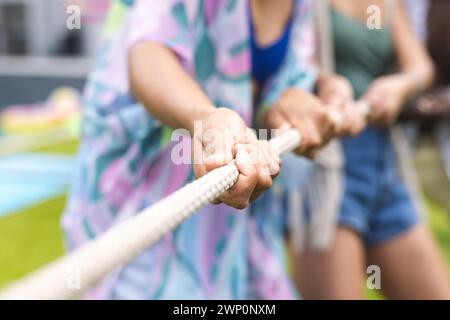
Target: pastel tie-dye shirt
124,158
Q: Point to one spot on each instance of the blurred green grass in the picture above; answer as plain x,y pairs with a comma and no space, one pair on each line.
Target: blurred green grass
30,239
439,220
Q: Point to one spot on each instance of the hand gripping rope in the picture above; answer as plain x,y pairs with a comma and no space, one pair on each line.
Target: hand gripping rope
131,237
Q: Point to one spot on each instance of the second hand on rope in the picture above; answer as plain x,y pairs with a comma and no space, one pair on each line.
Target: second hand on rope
129,238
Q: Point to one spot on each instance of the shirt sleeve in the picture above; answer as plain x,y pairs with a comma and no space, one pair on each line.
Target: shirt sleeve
167,22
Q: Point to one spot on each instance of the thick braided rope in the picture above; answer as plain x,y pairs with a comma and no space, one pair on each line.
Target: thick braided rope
131,237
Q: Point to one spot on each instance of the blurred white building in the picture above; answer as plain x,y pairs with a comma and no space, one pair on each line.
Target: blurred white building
37,27
39,53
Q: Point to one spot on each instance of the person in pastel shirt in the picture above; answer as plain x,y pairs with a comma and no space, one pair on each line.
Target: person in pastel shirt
163,66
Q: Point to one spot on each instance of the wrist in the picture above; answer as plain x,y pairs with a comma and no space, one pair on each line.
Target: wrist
413,84
199,114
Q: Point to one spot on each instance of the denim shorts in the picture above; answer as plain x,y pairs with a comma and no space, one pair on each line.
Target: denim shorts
376,203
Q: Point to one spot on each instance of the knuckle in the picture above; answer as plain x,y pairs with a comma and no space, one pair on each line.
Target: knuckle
313,135
242,187
316,141
321,114
265,182
252,176
328,119
274,169
241,204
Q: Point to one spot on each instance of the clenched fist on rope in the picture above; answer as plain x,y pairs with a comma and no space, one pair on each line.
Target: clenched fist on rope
224,137
319,119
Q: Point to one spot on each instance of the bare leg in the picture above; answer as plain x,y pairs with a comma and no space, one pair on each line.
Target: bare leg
411,266
333,274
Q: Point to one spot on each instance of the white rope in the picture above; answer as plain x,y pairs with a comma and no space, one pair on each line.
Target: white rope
126,240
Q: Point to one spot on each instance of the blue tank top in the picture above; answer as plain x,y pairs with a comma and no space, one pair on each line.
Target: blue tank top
267,60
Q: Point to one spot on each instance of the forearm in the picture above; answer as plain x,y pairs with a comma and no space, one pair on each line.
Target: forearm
164,88
417,79
415,64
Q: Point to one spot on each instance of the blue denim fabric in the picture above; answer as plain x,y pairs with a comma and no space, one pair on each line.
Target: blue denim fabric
376,203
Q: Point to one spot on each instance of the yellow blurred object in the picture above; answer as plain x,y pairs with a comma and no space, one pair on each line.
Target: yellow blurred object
62,106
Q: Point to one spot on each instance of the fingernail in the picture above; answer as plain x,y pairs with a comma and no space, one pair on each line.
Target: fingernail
243,157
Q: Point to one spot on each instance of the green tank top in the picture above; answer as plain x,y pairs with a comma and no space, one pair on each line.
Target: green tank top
361,54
